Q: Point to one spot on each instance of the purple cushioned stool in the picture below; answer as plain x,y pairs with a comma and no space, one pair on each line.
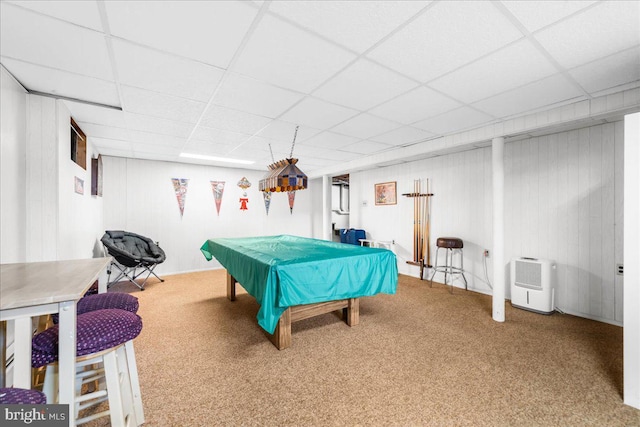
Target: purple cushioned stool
103,336
92,302
21,396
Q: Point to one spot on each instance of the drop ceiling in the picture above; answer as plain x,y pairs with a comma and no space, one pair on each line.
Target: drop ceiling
235,78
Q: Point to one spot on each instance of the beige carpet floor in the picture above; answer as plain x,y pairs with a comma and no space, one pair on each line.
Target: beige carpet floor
422,357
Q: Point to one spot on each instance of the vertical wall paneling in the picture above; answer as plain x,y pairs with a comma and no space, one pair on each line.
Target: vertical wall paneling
572,234
563,201
139,197
13,120
42,179
596,188
561,219
618,216
584,189
608,221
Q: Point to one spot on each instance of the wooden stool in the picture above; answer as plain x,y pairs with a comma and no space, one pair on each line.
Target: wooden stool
450,245
104,353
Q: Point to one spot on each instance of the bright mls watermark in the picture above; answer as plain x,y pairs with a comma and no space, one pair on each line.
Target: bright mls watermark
34,415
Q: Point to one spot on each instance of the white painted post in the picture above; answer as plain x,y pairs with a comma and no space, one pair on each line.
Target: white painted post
631,333
326,207
497,156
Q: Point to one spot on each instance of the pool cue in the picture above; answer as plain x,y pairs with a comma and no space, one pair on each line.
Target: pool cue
416,225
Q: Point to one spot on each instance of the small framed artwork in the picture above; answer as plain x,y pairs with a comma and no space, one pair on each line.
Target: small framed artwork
79,185
96,176
385,193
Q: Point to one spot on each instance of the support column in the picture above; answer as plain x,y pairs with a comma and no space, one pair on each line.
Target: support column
326,207
497,163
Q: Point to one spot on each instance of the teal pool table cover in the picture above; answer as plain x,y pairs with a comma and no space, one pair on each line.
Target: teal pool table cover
283,271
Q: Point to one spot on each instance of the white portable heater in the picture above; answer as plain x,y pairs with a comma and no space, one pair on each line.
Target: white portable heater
531,287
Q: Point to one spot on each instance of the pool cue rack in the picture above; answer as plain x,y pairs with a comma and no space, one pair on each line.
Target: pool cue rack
421,226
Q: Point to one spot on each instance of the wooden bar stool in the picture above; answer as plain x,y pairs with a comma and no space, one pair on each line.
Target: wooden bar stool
450,245
104,353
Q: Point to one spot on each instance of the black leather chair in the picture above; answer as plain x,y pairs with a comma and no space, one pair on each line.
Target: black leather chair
132,252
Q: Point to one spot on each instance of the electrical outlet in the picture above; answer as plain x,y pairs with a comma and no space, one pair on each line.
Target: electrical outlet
620,269
486,253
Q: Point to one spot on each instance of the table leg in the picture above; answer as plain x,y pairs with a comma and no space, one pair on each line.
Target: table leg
231,287
353,312
22,352
281,337
67,356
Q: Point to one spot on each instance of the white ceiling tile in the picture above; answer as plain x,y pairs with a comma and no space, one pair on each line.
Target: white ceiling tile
157,125
615,70
534,15
63,83
353,86
106,145
260,155
207,31
312,153
416,105
452,121
403,136
161,105
97,115
204,133
339,156
546,92
42,40
365,126
135,136
357,25
83,13
447,36
160,72
233,120
330,140
284,131
367,147
156,149
253,96
508,68
280,149
318,114
284,55
602,30
210,148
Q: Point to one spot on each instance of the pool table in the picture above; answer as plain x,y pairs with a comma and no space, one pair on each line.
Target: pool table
294,278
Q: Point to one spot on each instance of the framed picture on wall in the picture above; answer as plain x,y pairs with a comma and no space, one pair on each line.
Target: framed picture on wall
79,185
385,193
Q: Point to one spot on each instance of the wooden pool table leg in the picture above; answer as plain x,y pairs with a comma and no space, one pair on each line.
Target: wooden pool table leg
281,337
231,287
352,314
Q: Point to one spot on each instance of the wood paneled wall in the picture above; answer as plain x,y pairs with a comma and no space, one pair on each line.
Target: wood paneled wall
563,201
138,196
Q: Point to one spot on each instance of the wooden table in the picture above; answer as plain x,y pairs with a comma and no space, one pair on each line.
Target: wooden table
39,288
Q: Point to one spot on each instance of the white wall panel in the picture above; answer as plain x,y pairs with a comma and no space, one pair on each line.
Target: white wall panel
42,180
563,201
13,117
139,197
80,215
